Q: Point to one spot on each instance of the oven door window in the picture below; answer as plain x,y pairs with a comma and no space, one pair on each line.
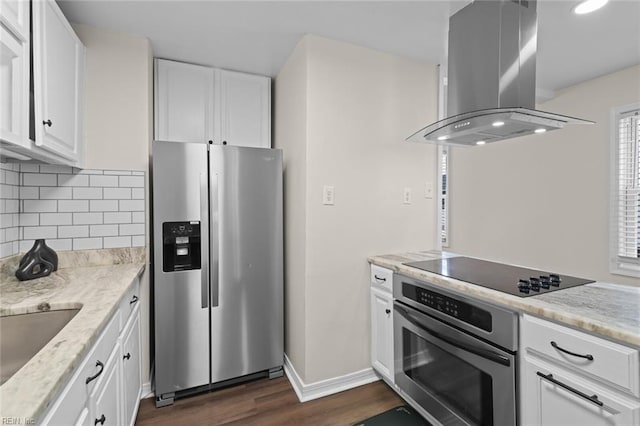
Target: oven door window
466,389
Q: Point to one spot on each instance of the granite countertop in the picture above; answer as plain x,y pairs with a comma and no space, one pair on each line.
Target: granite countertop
609,310
96,288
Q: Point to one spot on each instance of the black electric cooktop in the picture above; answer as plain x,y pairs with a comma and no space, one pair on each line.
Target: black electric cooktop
514,280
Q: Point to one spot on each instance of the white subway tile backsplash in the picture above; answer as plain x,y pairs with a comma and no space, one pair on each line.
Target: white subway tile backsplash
137,193
29,219
101,181
87,193
73,205
138,241
132,181
55,193
35,232
39,179
73,180
117,217
76,231
112,242
29,192
103,230
56,218
132,229
103,205
117,193
72,209
40,206
87,243
137,217
131,205
87,218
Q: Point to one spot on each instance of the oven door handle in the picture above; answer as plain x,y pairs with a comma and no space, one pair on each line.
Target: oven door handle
490,355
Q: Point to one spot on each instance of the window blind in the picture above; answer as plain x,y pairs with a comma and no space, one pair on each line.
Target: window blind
628,185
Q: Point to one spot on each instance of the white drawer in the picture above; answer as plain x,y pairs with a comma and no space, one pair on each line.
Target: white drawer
129,301
609,362
382,277
73,399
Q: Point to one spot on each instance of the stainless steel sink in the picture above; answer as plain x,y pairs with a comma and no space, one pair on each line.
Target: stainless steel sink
22,336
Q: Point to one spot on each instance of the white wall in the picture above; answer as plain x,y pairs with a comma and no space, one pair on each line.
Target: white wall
119,120
543,200
360,105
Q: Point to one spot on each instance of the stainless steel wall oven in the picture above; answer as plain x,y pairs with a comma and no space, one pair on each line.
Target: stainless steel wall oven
455,356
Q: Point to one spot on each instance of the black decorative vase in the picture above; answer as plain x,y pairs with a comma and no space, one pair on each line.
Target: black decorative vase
38,262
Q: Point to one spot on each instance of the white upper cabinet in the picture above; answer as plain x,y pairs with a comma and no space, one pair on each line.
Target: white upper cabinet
58,83
245,109
199,104
14,73
184,102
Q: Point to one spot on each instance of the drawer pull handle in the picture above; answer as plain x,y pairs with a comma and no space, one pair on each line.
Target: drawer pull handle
91,378
380,278
388,311
47,123
127,356
101,420
134,299
592,398
587,356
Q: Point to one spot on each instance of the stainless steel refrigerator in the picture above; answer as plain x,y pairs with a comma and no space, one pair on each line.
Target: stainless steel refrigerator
218,266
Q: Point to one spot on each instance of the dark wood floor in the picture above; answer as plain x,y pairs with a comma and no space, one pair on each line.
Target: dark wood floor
271,402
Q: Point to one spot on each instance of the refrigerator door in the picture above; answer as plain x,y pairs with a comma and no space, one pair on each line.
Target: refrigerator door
181,311
246,261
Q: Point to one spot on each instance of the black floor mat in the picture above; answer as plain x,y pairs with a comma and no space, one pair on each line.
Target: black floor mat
399,416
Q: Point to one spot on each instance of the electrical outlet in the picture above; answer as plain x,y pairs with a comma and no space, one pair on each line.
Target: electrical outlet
406,198
328,195
428,190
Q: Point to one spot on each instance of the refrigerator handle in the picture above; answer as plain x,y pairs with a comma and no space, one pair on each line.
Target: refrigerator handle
204,229
214,259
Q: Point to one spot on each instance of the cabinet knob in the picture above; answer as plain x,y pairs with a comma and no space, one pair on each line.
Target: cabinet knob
47,123
127,356
101,420
224,142
388,311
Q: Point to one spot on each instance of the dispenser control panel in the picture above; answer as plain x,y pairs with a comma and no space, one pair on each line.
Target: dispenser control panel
181,246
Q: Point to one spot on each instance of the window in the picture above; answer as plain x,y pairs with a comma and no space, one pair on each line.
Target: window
443,197
625,201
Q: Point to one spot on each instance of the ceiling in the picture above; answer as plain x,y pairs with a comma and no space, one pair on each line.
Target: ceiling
258,36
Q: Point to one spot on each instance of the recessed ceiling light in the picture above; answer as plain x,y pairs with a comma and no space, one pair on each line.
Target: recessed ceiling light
497,123
540,130
588,6
480,143
441,138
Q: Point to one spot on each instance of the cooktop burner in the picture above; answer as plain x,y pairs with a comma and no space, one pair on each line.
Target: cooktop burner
514,280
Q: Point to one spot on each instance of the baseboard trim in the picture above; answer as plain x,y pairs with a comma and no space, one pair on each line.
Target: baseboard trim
308,392
146,391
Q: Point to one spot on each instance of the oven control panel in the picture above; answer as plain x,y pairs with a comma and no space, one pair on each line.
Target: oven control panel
447,305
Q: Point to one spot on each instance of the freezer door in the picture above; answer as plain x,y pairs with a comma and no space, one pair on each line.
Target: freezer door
181,311
246,261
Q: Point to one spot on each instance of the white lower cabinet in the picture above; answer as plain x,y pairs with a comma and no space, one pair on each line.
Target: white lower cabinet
106,388
573,378
382,325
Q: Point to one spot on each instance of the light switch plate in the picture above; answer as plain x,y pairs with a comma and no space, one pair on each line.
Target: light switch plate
428,190
406,198
328,195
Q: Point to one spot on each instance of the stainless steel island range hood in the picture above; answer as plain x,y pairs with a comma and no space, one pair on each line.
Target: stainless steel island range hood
492,77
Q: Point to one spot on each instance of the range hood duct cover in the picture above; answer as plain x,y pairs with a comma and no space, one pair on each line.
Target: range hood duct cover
491,77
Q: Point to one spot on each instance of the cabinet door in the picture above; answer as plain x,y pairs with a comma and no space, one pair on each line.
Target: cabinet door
58,82
106,398
184,102
382,333
131,379
14,14
14,86
562,399
245,107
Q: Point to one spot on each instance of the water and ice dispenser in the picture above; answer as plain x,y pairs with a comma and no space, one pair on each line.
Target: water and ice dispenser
181,246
